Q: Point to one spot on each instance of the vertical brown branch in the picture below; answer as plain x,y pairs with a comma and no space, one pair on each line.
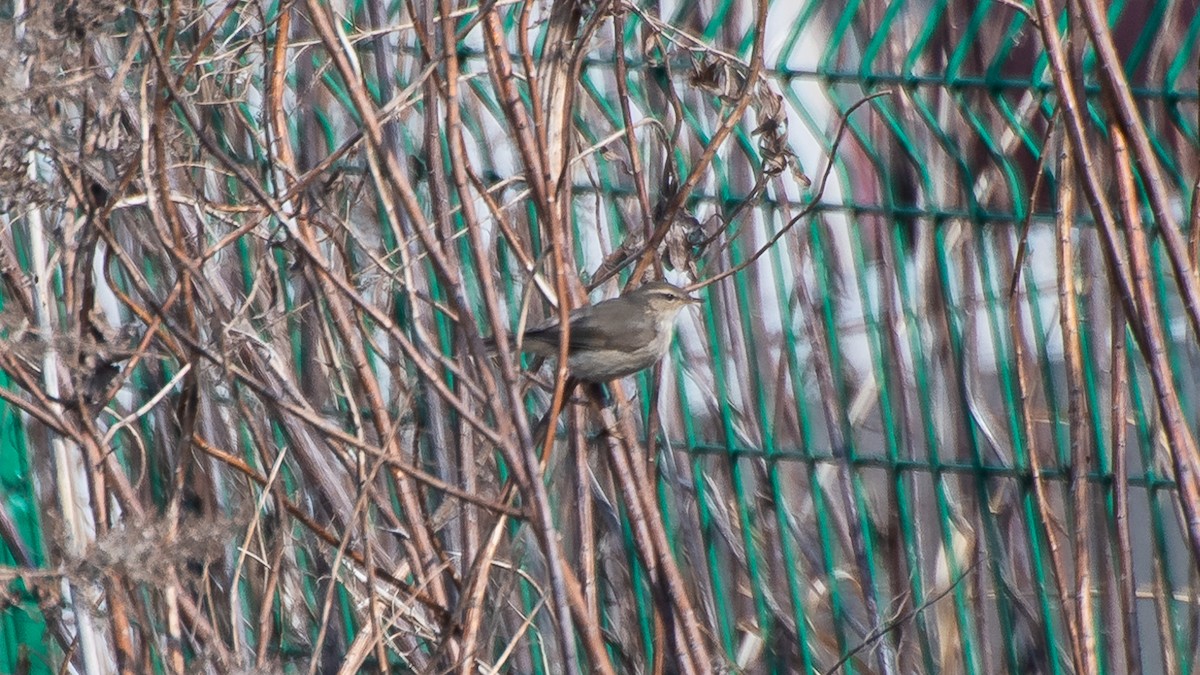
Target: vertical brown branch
635,157
692,653
1053,527
1132,273
1124,110
1181,442
1081,448
1120,463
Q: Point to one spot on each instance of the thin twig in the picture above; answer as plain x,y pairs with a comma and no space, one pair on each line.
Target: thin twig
813,203
880,631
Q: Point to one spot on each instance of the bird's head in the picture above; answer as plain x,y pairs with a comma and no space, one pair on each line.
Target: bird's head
663,298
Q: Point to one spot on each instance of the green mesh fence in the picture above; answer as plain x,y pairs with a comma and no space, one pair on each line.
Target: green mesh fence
899,441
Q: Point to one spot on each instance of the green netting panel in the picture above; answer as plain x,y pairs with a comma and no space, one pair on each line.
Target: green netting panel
868,451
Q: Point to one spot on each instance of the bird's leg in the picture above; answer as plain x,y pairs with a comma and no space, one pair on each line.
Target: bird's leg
599,394
598,391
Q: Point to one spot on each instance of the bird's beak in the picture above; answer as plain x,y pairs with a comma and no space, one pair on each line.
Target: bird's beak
694,301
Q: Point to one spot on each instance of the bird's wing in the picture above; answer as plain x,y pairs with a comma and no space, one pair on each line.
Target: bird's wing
594,330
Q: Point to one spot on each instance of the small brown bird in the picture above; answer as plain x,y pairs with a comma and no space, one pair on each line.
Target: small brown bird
616,337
